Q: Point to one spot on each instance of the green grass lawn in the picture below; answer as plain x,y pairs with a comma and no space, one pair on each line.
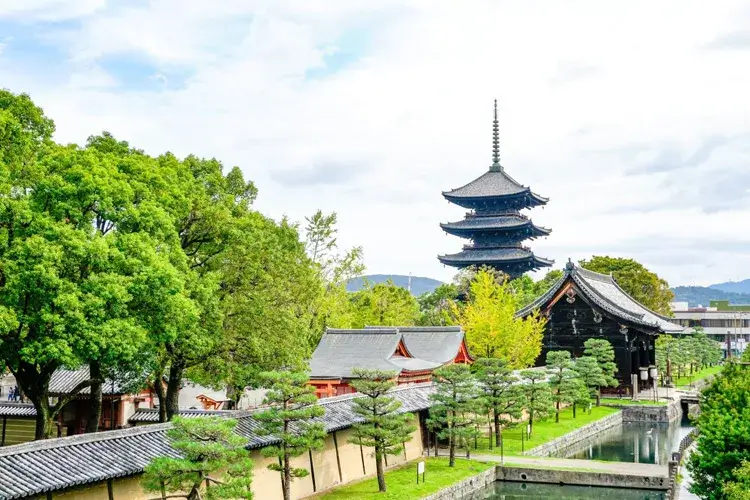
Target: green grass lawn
402,482
699,375
628,401
544,431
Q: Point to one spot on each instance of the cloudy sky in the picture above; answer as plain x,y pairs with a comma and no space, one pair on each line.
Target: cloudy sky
633,117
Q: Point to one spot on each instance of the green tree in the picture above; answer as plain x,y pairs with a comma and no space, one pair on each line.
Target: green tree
527,290
562,379
437,307
640,283
211,454
591,376
666,347
492,329
332,307
724,426
293,406
538,401
581,394
503,396
739,488
383,427
384,304
602,351
455,403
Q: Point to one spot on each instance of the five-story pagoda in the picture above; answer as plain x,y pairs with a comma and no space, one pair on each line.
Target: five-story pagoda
495,224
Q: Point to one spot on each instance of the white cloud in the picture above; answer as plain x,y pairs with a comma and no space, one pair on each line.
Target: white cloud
48,10
592,96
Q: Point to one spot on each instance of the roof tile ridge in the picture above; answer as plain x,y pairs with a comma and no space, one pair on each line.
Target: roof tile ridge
78,439
594,292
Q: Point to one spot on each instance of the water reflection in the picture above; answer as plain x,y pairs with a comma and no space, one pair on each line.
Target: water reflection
639,442
526,491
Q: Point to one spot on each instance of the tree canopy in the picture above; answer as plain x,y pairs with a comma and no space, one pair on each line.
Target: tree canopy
643,285
492,330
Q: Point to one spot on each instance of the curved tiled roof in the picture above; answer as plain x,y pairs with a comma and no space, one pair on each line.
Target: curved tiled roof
64,381
490,256
341,351
603,290
474,223
17,410
37,467
495,182
436,344
151,415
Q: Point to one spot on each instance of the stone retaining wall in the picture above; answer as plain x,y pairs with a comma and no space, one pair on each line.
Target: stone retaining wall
656,413
465,488
582,478
563,442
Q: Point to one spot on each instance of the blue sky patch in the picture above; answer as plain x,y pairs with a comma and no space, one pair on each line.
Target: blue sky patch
348,49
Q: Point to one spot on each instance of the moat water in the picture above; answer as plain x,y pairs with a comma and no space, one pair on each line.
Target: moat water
527,491
639,442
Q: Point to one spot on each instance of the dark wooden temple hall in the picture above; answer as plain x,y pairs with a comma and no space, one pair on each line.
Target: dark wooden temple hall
583,305
494,223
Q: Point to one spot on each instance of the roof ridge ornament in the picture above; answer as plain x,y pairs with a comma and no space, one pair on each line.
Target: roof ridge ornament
496,167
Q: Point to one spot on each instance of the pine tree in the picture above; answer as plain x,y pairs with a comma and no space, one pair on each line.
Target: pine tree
384,428
503,396
293,406
562,379
456,404
581,395
602,350
539,404
590,373
207,446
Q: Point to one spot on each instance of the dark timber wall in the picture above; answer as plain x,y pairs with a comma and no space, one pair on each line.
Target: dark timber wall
571,324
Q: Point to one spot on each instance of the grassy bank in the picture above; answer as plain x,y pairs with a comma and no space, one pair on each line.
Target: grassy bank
401,482
544,432
699,375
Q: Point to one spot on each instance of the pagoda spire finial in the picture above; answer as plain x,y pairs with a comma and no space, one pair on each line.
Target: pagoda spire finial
495,143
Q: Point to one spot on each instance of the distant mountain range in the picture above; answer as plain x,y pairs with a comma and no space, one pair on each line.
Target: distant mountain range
702,295
419,285
733,286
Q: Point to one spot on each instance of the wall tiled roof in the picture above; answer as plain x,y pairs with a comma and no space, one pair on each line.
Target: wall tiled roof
17,410
34,468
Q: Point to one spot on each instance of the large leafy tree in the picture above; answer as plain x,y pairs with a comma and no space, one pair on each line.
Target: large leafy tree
293,406
211,454
384,304
643,285
437,307
71,257
492,330
383,426
503,396
526,289
455,405
724,439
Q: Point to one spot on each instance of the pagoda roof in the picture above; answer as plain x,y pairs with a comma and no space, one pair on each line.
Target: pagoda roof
494,256
488,223
495,183
603,291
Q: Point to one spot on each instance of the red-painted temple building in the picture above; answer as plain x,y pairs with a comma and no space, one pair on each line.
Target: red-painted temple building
413,353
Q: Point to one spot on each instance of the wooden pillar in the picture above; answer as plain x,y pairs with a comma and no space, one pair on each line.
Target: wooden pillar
110,492
312,470
49,495
5,423
338,459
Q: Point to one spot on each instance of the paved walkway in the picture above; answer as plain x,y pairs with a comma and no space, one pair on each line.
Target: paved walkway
625,468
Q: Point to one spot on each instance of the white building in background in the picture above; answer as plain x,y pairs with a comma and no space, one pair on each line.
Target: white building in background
719,320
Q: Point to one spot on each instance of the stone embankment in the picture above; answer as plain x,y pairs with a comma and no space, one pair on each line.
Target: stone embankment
571,438
656,413
467,487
